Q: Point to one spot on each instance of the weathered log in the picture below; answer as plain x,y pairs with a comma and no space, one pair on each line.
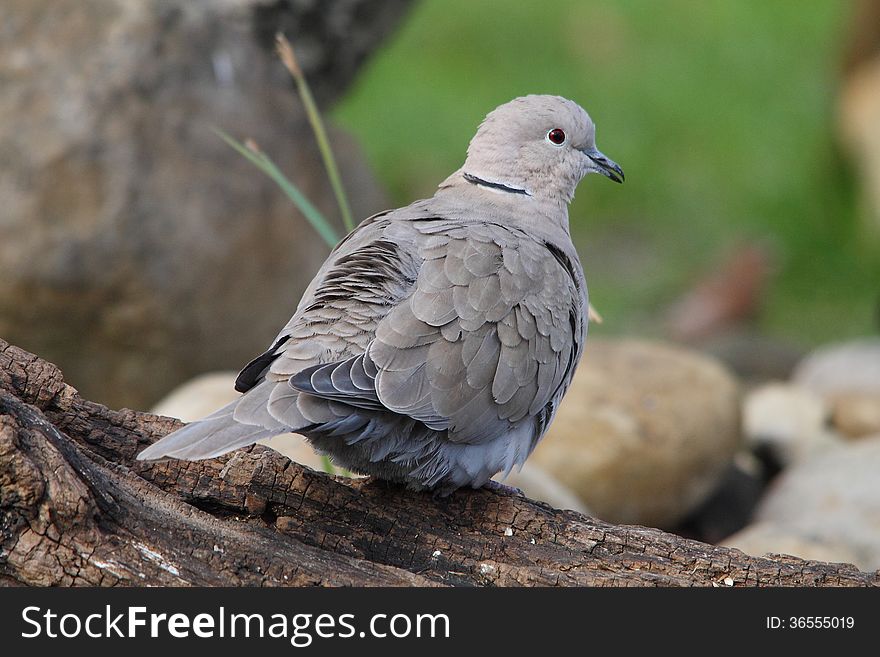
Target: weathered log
77,509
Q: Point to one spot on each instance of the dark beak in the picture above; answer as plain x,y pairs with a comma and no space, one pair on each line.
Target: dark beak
607,167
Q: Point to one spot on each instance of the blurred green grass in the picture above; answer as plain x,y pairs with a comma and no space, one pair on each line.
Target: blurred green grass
721,114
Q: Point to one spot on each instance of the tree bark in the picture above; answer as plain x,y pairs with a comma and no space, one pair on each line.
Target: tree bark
77,509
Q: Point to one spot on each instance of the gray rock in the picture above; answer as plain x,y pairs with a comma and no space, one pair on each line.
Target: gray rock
787,421
136,249
846,367
765,538
645,433
833,498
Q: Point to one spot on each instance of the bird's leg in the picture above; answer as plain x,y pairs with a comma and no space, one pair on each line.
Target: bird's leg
498,487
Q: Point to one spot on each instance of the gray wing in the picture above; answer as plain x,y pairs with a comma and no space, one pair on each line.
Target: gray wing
339,310
489,335
465,328
367,273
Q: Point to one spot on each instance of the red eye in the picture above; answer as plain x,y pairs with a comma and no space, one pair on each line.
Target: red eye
556,136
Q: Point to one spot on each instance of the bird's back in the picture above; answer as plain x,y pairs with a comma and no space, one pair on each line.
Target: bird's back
428,347
436,342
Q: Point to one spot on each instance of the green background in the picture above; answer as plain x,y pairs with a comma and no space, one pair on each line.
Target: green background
721,114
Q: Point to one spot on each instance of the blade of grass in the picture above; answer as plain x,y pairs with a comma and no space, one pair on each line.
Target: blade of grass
327,465
263,162
267,166
285,52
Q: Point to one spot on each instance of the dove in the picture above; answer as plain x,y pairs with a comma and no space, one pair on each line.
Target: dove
435,344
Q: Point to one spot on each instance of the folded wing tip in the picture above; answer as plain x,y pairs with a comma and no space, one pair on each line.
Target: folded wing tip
151,453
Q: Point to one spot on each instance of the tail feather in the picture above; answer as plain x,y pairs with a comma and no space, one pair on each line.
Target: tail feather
212,436
253,408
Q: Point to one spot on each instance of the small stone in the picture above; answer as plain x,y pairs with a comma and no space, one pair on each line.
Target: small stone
786,419
436,554
841,368
508,531
856,414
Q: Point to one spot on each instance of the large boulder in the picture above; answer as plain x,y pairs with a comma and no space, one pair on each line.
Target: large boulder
137,249
831,499
645,433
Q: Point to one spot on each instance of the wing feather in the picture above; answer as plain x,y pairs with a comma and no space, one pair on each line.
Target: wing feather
484,340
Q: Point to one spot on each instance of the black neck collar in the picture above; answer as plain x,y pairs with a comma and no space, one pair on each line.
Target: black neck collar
493,185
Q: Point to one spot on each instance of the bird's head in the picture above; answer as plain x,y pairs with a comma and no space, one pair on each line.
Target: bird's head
540,146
